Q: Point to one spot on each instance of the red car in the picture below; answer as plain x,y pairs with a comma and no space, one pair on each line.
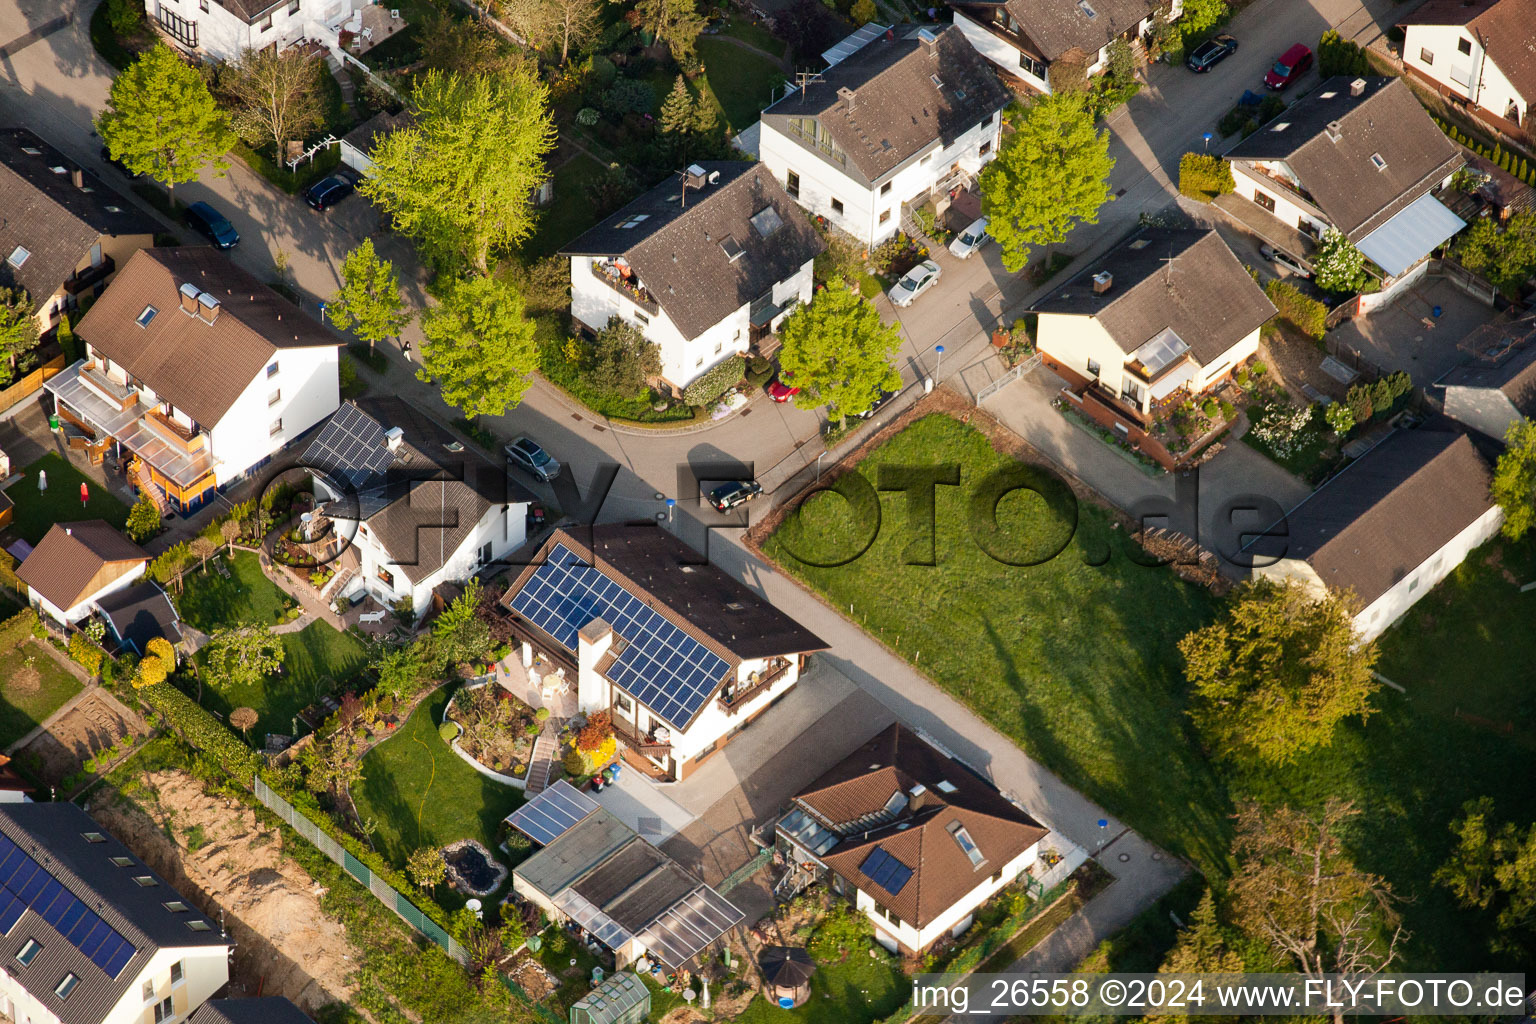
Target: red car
1293,63
781,390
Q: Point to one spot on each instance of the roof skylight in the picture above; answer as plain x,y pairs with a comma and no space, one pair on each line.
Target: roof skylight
963,837
18,256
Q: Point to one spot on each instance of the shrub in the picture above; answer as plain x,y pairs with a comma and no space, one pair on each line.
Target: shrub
627,96
708,388
542,714
1341,419
587,116
143,519
1359,401
203,731
843,931
1339,266
125,16
1281,427
1203,176
1309,316
85,654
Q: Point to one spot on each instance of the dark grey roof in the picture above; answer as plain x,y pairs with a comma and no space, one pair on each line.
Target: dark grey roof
141,613
1514,374
420,501
896,110
1180,278
53,220
1055,27
1339,173
249,10
266,1010
1386,513
580,849
364,135
678,251
52,834
635,884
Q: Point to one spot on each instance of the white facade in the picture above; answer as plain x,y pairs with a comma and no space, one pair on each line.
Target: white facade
1277,199
88,605
222,35
199,972
903,934
1487,410
872,212
1453,56
595,302
1012,60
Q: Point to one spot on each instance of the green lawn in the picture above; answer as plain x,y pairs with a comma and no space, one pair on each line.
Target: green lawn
1076,662
742,81
423,794
571,212
752,34
36,511
209,601
32,686
317,660
857,991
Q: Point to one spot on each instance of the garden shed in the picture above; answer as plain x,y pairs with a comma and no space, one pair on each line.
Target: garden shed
622,999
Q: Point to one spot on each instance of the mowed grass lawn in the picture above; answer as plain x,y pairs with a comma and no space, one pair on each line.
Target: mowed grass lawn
33,685
317,660
570,213
1075,662
1466,727
36,511
208,601
857,991
741,81
421,793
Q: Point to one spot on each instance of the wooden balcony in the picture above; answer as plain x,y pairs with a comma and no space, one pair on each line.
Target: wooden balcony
120,395
185,438
609,275
646,745
90,276
754,688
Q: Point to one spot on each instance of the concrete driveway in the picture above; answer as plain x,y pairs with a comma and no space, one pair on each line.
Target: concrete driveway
1407,335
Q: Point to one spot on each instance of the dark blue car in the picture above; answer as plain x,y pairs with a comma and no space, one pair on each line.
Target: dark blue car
211,224
327,192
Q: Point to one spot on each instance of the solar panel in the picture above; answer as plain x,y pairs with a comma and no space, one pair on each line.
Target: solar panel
693,922
886,871
662,665
552,813
25,884
351,445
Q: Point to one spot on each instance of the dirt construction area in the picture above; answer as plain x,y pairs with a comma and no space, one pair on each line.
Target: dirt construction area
95,723
215,852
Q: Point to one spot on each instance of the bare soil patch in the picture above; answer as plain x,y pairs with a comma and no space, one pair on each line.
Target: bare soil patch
1296,361
284,943
26,680
91,726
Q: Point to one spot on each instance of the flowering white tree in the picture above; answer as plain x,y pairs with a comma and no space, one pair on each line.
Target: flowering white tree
1338,265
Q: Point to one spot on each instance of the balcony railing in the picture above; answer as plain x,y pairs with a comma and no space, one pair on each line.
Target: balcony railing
185,438
91,276
755,688
609,275
646,745
119,394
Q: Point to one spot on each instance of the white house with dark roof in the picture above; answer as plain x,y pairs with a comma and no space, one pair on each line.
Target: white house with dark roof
1389,527
411,507
683,656
1357,155
706,265
1025,38
91,934
199,370
76,566
898,119
221,29
1478,54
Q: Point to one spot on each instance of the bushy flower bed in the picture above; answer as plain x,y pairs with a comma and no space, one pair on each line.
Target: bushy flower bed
498,730
1283,427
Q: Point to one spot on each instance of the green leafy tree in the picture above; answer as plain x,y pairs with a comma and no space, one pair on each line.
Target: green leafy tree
426,866
863,12
18,328
1049,175
839,352
143,519
479,346
674,22
125,16
1200,15
1341,419
274,95
574,22
162,121
1338,266
1275,676
459,634
610,190
1507,256
369,302
623,360
1514,479
465,46
403,671
242,655
461,180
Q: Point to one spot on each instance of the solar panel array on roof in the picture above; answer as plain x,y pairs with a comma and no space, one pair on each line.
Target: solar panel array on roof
24,884
351,445
581,910
689,925
667,670
808,832
886,871
552,813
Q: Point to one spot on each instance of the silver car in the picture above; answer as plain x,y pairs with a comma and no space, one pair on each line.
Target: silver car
914,282
526,454
967,242
1281,258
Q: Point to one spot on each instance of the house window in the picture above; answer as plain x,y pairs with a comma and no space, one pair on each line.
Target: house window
275,397
1093,368
276,427
66,985
792,184
29,952
177,974
885,216
1464,45
266,24
93,837
1034,67
272,369
202,5
149,991
998,877
698,363
96,259
386,577
885,189
164,1010
1413,584
644,320
1131,393
1461,76
1426,55
122,862
145,881
623,703
146,316
986,147
837,207
719,345
294,5
176,907
1264,199
924,161
199,926
986,120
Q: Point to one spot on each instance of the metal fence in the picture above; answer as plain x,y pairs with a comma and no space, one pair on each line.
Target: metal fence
1008,378
382,890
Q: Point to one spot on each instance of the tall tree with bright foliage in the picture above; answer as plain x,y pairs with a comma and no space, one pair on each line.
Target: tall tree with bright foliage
1514,479
368,303
479,346
839,352
1049,176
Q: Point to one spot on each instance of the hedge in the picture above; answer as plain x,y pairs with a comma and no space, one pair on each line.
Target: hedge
1204,176
706,389
199,728
1514,164
1309,316
18,628
85,654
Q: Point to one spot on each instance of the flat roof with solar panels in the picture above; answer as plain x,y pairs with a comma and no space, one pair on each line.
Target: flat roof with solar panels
80,914
552,813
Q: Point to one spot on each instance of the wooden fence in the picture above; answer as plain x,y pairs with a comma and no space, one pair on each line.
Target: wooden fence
31,384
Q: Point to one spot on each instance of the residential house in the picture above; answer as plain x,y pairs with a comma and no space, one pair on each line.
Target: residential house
706,265
1497,387
1357,155
596,873
92,934
915,838
411,506
261,1010
1028,38
357,145
221,30
681,654
13,788
1477,54
897,120
1166,314
63,234
199,370
1388,527
77,565
136,615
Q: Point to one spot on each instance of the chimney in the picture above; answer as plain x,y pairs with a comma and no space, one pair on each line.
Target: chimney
77,178
1102,281
208,307
930,41
695,175
1335,130
392,438
1357,87
847,95
188,294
